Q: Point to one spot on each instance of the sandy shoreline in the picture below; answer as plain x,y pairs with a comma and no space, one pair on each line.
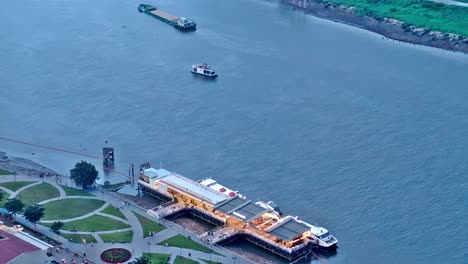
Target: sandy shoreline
388,28
23,166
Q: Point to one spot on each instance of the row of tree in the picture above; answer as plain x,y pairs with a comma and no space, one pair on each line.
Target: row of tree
32,213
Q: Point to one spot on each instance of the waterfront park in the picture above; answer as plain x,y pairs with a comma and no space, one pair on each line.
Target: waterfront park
97,224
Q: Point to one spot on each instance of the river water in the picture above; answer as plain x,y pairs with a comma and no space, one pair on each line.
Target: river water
365,136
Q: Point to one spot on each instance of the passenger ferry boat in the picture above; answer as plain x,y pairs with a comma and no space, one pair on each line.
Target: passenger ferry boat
321,235
204,69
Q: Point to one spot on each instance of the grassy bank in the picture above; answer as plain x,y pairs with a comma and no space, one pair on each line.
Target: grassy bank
5,172
419,13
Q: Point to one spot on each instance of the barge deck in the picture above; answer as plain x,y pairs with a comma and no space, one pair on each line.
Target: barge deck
181,23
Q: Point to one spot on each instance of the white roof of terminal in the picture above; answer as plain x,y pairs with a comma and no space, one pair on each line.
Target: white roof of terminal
198,190
155,173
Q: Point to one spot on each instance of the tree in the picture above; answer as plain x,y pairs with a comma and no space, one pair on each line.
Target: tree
56,226
84,174
140,260
14,205
34,213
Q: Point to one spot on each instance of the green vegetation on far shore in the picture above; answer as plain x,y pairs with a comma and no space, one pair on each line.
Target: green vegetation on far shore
14,186
463,1
420,13
70,208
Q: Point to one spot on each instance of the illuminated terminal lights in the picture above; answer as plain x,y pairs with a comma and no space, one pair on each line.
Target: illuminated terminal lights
263,225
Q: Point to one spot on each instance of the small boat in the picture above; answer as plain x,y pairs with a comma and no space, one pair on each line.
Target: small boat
204,69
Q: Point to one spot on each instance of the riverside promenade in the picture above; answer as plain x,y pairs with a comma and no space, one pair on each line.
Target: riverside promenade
139,244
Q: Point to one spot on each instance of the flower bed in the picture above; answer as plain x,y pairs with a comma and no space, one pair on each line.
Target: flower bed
115,255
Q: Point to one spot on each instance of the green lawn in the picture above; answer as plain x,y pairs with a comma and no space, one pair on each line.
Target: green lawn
14,186
149,225
96,223
5,197
5,172
115,186
38,193
69,191
125,236
182,260
78,238
157,258
209,262
113,211
420,13
70,208
183,242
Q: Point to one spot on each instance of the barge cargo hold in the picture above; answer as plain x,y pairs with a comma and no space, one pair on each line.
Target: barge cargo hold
181,23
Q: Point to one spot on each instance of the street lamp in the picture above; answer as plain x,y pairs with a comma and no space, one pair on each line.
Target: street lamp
234,259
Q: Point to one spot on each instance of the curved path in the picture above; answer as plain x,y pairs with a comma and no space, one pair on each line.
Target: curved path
80,217
15,193
68,197
139,244
8,191
59,188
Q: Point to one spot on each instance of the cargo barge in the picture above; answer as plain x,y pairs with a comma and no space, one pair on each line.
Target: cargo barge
181,23
259,222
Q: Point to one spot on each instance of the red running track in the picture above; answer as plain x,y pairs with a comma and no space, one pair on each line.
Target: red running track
11,247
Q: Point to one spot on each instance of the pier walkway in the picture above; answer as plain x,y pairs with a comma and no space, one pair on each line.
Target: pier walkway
139,244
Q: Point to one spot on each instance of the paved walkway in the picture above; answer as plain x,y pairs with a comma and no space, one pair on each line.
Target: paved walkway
451,2
139,244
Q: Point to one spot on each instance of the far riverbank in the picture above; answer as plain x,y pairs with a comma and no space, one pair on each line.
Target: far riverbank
389,28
